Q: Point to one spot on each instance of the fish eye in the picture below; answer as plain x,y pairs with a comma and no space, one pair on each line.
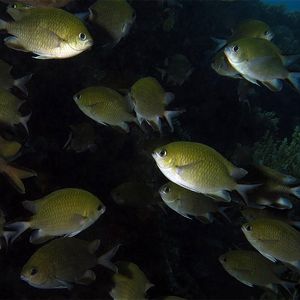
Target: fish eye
167,190
235,48
224,259
99,207
14,6
248,227
77,97
267,32
162,153
33,271
82,36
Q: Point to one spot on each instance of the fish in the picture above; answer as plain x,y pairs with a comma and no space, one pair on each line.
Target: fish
149,100
39,3
251,214
189,204
49,33
178,69
201,169
252,269
170,21
63,262
115,17
130,282
105,106
259,61
247,28
7,81
82,138
9,149
65,212
9,110
16,174
133,194
275,240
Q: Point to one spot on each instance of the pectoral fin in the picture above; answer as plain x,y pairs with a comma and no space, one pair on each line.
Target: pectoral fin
39,237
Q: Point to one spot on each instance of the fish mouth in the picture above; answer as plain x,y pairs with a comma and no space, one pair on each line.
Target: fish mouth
87,45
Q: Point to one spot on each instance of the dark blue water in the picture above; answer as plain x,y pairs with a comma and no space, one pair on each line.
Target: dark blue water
291,5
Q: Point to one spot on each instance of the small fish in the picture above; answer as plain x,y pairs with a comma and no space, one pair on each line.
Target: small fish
275,240
82,138
16,174
9,149
187,203
9,110
130,282
200,168
260,62
134,194
247,28
63,212
105,106
7,81
252,269
149,100
63,262
114,16
39,3
251,214
50,33
178,69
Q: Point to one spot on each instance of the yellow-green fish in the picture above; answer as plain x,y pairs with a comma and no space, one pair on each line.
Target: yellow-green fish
199,168
130,282
63,262
114,16
9,149
187,203
7,81
133,194
274,239
9,110
260,61
38,3
15,174
247,28
251,268
50,33
149,101
63,212
251,214
105,106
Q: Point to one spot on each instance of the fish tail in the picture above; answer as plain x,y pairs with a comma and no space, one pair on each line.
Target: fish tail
243,189
15,175
222,212
105,259
296,191
17,229
21,83
3,24
294,79
24,120
169,115
7,236
220,43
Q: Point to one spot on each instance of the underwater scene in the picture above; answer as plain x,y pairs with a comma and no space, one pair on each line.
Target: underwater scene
149,149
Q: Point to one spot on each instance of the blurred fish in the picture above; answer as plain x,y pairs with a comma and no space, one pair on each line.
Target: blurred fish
3,234
114,16
15,174
39,3
274,239
178,69
251,214
134,194
199,168
82,138
252,269
9,110
105,106
260,61
63,212
270,200
169,23
63,262
149,100
189,204
47,32
130,282
247,28
7,81
9,149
